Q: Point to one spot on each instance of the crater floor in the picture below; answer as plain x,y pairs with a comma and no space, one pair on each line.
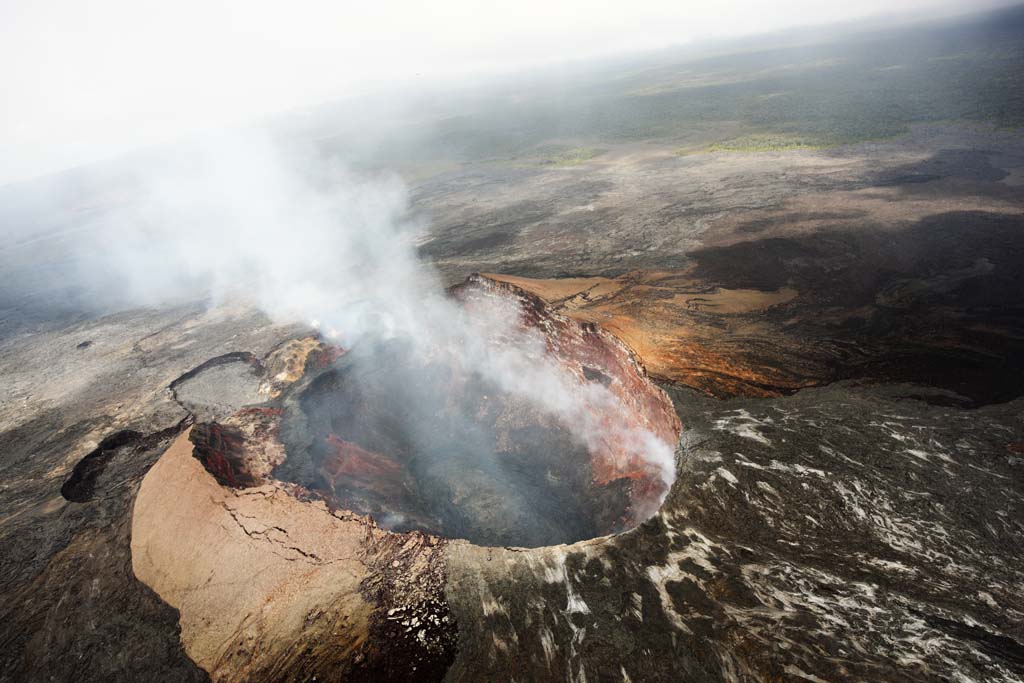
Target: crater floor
423,448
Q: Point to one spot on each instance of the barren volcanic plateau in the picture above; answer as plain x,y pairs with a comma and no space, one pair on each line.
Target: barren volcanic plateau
699,368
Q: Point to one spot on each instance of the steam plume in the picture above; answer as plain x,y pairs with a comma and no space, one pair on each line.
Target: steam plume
310,241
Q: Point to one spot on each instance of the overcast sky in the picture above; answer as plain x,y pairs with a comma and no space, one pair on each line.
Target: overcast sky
82,80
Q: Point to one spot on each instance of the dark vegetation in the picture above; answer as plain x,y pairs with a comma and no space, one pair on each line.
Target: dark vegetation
803,90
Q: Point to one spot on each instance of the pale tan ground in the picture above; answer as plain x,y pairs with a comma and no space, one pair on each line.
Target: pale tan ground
672,323
251,572
287,363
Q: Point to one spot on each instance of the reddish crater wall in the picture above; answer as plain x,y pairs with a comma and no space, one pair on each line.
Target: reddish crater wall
593,354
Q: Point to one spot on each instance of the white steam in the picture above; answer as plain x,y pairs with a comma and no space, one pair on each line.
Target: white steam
309,241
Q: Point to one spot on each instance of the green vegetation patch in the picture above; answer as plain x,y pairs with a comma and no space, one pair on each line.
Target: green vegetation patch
783,142
768,142
572,156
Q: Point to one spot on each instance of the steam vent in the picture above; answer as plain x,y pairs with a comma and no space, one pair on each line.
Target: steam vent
424,444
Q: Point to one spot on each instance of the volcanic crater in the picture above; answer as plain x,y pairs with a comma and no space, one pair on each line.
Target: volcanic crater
427,443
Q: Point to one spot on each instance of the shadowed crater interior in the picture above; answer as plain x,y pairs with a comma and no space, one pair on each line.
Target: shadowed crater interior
424,445
427,443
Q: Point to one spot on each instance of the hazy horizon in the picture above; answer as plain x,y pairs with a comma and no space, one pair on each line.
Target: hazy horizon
83,85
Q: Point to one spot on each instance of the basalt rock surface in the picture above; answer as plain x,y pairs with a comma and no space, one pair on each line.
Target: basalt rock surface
839,332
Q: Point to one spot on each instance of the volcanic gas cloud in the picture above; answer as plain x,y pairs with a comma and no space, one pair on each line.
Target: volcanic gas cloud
420,439
472,413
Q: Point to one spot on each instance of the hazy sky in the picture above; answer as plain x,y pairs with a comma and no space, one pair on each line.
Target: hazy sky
81,80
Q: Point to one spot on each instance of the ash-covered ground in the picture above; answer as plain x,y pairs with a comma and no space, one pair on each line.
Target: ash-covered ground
832,301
